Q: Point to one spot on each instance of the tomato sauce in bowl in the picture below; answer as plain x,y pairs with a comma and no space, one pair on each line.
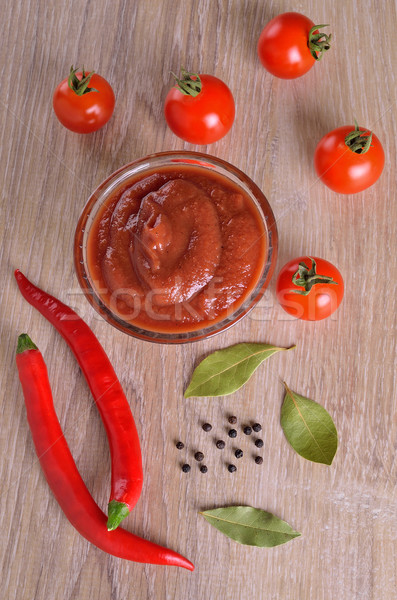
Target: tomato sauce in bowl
175,247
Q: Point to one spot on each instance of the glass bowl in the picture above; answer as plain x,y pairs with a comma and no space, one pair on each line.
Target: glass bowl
138,169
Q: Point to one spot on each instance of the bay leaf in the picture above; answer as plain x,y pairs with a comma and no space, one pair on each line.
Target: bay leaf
225,371
309,428
250,526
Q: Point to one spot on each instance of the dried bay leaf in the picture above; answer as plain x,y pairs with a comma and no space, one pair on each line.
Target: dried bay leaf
225,371
250,526
309,428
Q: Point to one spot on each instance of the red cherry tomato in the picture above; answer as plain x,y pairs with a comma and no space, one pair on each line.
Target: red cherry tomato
343,169
290,44
309,288
199,109
81,108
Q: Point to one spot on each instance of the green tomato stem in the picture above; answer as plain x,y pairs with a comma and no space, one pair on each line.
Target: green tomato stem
306,278
189,83
358,141
319,42
80,86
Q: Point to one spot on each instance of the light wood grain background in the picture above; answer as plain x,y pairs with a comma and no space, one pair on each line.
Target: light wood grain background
347,512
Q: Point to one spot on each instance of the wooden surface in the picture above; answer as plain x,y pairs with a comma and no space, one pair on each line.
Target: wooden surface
347,512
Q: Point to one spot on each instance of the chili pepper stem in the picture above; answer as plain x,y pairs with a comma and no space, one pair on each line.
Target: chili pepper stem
25,343
117,511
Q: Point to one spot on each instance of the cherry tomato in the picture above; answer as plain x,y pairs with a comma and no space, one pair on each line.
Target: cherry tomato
349,159
290,44
81,108
309,288
199,109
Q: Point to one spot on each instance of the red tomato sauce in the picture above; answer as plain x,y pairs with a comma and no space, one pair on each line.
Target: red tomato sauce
176,249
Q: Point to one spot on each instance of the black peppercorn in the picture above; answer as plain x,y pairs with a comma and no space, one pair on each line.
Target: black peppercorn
232,433
232,420
180,445
259,443
232,468
220,444
258,460
186,468
207,427
257,427
203,468
247,430
239,453
199,456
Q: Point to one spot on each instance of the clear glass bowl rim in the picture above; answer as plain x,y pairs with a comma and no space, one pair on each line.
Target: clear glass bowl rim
149,162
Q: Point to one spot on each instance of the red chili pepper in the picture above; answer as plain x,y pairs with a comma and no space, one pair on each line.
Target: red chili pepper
126,459
63,476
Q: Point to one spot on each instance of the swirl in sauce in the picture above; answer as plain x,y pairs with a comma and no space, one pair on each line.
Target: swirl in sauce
176,250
